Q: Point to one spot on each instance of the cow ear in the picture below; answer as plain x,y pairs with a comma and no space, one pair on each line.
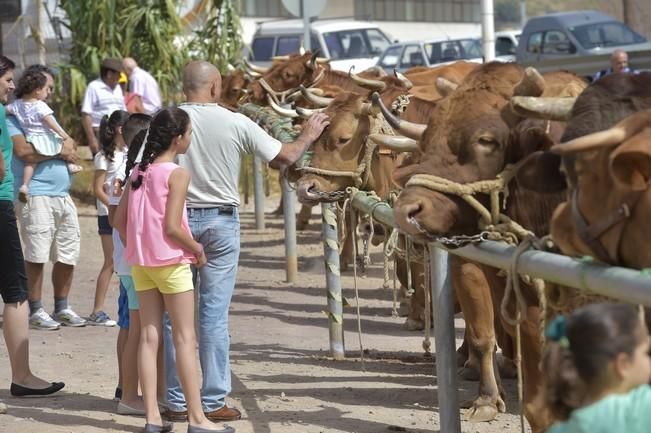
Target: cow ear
630,163
541,173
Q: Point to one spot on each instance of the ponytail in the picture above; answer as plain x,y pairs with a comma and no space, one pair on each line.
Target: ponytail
580,350
107,130
165,126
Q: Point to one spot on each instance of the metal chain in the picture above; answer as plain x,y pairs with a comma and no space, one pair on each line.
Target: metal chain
331,196
451,242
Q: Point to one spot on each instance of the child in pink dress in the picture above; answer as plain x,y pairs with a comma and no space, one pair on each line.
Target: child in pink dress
152,220
37,120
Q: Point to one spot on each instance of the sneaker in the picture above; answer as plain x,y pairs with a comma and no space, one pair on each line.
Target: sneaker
100,319
68,317
42,320
118,394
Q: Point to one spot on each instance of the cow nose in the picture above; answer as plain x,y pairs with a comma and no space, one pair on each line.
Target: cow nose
307,191
412,209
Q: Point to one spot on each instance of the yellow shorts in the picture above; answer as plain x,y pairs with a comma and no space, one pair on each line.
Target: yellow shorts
169,280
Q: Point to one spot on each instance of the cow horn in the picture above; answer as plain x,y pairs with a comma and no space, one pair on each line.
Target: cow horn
312,62
279,58
610,137
408,129
405,81
322,60
531,84
366,82
307,112
301,49
230,68
369,109
253,75
547,108
255,68
445,86
395,142
319,101
280,110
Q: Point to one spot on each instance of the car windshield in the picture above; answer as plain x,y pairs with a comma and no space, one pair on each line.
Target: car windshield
608,34
448,51
354,44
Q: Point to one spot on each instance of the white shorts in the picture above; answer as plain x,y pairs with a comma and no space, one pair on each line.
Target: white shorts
49,229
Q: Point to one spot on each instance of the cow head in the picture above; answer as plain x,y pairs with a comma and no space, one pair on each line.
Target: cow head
340,148
285,75
603,178
234,87
472,135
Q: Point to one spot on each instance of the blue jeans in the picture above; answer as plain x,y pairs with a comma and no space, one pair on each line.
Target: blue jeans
219,233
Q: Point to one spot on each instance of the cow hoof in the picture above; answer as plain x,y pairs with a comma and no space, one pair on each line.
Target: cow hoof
413,325
302,225
403,310
468,373
501,406
482,413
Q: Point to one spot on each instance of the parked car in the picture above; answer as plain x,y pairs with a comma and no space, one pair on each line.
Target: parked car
580,33
404,55
346,42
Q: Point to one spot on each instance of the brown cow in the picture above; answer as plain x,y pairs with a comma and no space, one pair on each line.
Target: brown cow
471,136
607,174
234,87
602,179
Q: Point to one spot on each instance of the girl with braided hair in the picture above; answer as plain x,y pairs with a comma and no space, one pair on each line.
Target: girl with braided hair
107,162
152,219
597,370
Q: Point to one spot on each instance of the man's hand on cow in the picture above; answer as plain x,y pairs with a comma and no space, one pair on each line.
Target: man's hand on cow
68,152
315,126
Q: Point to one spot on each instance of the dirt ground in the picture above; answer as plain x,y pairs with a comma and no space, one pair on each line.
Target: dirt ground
283,378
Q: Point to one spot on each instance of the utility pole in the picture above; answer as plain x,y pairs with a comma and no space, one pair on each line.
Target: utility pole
628,13
523,13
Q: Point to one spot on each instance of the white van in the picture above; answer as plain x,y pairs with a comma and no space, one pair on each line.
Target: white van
345,42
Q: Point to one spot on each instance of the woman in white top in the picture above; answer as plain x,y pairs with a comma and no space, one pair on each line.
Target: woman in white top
107,162
37,120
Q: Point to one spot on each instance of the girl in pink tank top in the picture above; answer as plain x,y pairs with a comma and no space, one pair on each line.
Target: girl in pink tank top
152,220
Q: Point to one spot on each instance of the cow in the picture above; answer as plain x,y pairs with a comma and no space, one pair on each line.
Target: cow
352,122
606,160
605,207
471,136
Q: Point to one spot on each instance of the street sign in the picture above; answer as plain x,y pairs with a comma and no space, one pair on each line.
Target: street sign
312,7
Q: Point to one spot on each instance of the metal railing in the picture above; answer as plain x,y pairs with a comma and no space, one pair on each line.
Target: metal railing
621,283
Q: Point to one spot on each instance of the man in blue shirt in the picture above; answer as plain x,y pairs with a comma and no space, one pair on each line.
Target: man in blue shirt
618,63
49,226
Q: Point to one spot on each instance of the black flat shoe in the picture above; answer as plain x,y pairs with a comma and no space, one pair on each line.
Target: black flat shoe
153,428
226,429
22,391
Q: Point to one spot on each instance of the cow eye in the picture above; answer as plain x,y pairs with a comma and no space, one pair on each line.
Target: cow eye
488,142
344,140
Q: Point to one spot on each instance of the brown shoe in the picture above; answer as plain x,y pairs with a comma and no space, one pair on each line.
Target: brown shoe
171,415
224,414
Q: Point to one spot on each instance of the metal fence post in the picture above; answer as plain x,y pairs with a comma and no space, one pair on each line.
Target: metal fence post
444,337
289,212
333,280
258,193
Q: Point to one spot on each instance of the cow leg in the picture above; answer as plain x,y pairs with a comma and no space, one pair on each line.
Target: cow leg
303,219
473,293
530,338
346,258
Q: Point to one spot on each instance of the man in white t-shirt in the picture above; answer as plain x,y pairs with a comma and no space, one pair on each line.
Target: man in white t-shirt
219,139
103,96
143,87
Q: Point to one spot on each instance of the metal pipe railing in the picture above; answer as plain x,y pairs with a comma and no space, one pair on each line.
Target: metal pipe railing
621,283
333,280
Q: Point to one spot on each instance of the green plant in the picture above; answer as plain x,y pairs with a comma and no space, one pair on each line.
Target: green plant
219,39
